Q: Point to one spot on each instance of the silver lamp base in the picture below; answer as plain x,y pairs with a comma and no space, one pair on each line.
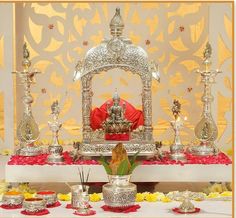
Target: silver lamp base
29,151
55,159
202,150
178,156
84,211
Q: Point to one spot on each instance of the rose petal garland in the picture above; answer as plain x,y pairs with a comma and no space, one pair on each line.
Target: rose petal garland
133,208
221,158
42,160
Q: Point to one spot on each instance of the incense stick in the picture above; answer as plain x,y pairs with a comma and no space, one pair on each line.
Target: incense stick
88,175
82,178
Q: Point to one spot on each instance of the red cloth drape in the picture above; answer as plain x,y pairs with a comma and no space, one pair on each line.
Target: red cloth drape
98,115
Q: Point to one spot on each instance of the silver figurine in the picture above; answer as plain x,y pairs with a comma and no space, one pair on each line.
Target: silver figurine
177,148
206,130
27,130
55,149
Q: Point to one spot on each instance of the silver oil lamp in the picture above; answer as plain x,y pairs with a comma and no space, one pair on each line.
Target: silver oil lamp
186,206
55,149
177,148
27,130
206,130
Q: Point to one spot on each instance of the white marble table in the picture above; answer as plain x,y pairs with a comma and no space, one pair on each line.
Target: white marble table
143,173
209,209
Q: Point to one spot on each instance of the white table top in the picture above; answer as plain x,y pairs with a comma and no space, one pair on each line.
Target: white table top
143,173
209,209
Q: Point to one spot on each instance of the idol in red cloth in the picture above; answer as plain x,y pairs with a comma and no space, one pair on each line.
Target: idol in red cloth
117,117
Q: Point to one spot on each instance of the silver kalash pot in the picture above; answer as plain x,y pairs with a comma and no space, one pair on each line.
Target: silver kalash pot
119,192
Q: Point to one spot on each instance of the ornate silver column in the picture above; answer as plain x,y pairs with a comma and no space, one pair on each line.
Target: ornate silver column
27,131
55,149
147,108
206,130
86,106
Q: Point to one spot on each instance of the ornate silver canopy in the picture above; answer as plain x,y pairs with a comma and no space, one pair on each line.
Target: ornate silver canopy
116,52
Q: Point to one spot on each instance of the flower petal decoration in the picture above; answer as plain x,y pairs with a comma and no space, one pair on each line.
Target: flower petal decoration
64,197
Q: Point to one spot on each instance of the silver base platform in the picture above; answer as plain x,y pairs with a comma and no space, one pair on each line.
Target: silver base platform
105,148
202,150
29,151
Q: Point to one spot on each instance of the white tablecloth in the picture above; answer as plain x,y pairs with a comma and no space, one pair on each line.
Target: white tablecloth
209,209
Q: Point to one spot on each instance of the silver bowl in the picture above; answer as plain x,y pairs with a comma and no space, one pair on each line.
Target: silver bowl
12,199
49,196
33,205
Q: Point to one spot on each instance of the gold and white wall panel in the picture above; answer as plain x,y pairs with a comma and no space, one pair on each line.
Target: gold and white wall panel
173,34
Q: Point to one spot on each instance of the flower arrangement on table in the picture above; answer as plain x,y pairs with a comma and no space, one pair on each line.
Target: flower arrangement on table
153,197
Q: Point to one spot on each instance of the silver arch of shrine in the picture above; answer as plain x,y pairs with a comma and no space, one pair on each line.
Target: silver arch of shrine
116,52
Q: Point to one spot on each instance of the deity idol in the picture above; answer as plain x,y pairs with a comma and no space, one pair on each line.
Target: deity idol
116,112
117,118
116,123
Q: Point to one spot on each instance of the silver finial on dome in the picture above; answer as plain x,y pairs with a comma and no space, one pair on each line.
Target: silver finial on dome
117,24
116,96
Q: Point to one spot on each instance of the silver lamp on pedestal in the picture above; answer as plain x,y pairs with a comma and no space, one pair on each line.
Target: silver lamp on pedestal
206,130
186,206
177,149
27,130
55,149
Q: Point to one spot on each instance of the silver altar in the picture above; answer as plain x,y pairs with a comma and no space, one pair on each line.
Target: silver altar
116,52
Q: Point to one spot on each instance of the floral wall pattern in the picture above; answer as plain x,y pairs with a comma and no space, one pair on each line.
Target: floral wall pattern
173,34
6,79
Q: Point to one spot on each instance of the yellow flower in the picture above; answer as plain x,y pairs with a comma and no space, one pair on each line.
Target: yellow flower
6,152
29,195
140,197
95,197
216,188
64,197
3,186
159,195
151,197
230,152
213,195
165,199
226,194
200,197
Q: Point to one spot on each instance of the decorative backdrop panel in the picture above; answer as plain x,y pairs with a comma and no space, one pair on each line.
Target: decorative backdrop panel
6,80
221,36
173,34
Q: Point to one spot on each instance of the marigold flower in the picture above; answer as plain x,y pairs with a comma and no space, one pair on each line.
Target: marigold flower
213,195
29,195
140,197
165,199
6,152
226,194
64,197
95,197
151,197
159,195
